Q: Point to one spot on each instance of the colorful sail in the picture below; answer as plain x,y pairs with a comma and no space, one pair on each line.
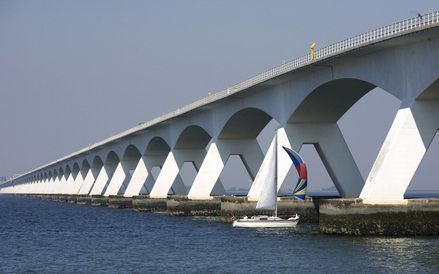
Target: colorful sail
302,182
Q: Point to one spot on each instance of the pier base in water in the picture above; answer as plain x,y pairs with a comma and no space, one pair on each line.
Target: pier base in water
144,203
286,207
182,206
97,200
353,217
83,200
120,202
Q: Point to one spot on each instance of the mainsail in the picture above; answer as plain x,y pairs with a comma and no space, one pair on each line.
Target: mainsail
268,196
300,189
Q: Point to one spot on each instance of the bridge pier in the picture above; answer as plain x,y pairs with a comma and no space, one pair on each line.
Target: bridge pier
141,177
169,177
407,142
77,182
100,182
206,183
116,180
332,149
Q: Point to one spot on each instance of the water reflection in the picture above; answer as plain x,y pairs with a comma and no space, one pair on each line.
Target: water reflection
402,254
53,237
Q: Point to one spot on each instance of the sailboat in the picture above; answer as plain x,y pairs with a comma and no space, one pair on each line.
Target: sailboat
268,196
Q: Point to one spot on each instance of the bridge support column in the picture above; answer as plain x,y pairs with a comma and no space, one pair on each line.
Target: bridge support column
125,171
116,180
207,182
59,189
38,189
406,143
87,183
142,181
31,187
77,183
100,182
169,177
54,185
334,153
140,176
69,184
332,149
48,186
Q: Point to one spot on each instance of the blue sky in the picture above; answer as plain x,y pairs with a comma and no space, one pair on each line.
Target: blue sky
75,72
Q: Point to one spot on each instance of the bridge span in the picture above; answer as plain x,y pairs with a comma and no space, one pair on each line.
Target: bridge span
306,97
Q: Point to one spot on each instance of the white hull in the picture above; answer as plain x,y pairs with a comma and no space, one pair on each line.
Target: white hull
266,222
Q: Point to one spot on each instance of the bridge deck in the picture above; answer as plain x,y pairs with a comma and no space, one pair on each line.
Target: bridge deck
375,36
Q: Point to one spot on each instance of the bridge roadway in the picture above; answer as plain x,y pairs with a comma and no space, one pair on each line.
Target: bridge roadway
305,96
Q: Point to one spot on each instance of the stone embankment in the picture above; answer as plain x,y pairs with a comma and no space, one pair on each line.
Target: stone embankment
221,206
354,217
335,216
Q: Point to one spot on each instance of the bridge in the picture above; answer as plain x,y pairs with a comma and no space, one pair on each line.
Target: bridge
306,97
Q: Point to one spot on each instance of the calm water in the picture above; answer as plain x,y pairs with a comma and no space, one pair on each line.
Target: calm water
49,237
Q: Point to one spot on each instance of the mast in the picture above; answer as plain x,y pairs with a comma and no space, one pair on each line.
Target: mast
275,172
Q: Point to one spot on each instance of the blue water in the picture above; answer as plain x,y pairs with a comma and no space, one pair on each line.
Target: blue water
49,237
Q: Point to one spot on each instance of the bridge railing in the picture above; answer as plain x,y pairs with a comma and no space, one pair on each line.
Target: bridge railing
377,35
366,38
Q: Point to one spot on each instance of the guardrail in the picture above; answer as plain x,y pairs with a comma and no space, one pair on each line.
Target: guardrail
387,32
366,38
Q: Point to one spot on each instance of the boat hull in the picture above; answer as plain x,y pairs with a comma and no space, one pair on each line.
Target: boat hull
265,223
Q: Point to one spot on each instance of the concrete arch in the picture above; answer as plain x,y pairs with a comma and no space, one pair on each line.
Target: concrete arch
124,171
430,92
60,173
84,168
96,166
330,101
157,146
106,173
247,123
131,151
55,174
85,165
112,158
67,171
75,170
90,171
193,137
236,137
406,145
314,121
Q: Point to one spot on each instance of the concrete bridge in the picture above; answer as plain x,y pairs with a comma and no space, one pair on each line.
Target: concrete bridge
306,97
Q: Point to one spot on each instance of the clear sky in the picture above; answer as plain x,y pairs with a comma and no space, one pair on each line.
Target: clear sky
76,72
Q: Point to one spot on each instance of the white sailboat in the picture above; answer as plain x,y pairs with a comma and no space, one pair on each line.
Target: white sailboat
268,198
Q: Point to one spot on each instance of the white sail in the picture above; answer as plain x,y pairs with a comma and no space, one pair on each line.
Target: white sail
268,194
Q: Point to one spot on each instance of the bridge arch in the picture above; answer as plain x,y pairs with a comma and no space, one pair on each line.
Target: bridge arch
97,165
85,165
246,123
193,137
131,151
330,101
157,146
67,171
60,173
75,170
315,121
55,174
129,161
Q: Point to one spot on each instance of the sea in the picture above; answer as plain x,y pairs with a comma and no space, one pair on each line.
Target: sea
38,236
